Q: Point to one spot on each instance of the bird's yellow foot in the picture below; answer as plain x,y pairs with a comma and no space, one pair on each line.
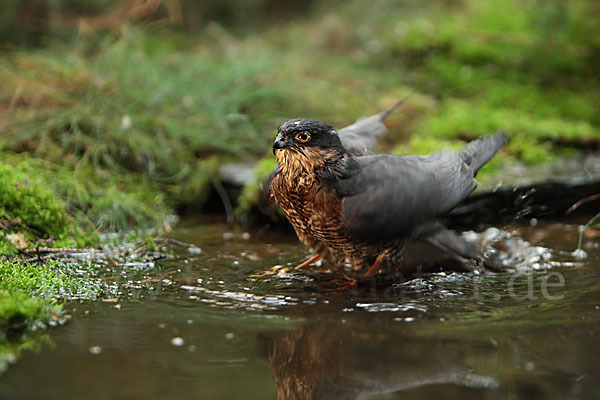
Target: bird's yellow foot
272,271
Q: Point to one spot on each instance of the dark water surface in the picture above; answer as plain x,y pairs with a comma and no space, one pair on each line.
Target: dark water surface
199,326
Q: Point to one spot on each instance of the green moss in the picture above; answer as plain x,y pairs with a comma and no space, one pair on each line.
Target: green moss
78,204
423,145
49,281
533,139
18,308
29,293
30,206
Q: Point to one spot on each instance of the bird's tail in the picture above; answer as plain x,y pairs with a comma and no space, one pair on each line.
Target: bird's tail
478,152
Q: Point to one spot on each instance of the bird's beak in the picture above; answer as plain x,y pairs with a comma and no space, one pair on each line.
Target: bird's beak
280,142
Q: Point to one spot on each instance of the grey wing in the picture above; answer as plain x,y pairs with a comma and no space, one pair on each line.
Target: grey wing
389,196
361,137
478,152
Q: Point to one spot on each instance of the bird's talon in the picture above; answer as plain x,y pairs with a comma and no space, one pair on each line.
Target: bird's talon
272,271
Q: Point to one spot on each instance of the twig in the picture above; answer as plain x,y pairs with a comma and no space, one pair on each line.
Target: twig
39,258
224,199
154,280
157,257
15,97
581,202
50,250
173,242
6,224
589,224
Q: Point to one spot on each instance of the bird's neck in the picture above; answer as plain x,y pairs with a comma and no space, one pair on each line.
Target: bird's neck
315,163
301,172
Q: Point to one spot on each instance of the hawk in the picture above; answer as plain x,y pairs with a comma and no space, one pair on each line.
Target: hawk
378,213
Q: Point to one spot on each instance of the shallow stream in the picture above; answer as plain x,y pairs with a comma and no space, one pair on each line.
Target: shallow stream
197,324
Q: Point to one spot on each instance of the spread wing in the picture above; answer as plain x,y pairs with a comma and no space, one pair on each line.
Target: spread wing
361,137
389,196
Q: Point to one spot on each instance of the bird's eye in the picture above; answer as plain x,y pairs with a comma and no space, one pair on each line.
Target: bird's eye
303,137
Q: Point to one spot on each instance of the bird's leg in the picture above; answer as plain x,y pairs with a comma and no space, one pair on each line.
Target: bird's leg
374,267
311,260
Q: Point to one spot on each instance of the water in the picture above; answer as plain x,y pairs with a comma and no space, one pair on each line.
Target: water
197,325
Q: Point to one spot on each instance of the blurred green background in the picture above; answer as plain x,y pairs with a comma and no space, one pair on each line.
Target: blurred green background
113,113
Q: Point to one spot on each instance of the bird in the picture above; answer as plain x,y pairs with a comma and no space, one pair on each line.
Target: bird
380,214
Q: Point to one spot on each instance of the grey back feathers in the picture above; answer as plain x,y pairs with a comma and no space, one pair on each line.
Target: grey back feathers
390,196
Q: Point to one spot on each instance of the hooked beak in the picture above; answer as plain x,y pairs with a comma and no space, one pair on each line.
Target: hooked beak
279,143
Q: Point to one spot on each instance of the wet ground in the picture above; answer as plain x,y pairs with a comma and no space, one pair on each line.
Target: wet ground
198,325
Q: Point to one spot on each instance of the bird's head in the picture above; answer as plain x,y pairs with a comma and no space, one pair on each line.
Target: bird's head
307,137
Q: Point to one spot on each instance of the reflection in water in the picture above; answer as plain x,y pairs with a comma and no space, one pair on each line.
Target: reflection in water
329,360
11,347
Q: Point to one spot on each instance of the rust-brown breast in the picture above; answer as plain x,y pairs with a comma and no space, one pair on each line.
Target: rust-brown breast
314,211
